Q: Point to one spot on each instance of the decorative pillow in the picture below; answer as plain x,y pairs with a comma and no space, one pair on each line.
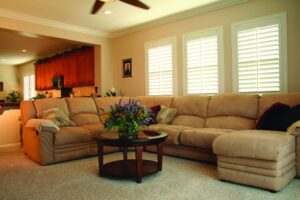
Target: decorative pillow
290,117
271,119
293,128
166,115
154,110
57,116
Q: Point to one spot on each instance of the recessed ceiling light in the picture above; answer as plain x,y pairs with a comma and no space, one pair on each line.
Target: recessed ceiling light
31,35
24,50
107,0
106,12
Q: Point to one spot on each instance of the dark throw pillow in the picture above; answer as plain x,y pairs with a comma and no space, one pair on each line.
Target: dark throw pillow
271,119
154,110
290,117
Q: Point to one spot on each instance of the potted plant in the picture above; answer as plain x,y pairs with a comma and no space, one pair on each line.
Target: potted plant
111,92
39,95
13,96
127,118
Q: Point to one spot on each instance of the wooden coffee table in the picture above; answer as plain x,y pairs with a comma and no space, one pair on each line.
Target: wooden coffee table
128,168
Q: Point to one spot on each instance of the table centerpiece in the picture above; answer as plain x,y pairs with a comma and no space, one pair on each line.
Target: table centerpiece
127,118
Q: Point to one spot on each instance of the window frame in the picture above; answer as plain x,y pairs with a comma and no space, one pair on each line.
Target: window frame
156,43
202,34
279,19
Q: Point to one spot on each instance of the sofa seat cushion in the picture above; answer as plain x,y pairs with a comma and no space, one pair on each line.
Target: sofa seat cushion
173,131
95,129
255,144
201,137
230,122
189,120
71,135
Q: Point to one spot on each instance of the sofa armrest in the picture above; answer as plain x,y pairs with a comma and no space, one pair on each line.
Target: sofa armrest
39,146
42,125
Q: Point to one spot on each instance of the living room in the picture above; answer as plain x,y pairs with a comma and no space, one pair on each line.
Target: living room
131,46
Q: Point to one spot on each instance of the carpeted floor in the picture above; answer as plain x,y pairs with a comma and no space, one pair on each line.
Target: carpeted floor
21,178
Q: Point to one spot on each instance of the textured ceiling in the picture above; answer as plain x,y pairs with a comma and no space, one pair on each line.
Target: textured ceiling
77,12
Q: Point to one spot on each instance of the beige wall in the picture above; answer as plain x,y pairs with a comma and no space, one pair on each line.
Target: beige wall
9,120
9,128
10,78
132,45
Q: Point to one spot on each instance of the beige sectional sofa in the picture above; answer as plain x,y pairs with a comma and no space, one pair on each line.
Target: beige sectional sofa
203,129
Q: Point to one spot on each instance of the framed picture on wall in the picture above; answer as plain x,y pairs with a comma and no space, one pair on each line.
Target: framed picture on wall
127,67
1,87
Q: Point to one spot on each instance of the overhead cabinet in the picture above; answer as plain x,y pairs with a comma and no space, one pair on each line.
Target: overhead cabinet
77,68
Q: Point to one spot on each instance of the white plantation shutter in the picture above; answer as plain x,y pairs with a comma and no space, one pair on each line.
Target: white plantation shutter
29,86
32,86
202,64
259,58
26,87
160,67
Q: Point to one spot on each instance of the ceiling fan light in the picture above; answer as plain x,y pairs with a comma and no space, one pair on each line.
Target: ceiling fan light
107,1
106,12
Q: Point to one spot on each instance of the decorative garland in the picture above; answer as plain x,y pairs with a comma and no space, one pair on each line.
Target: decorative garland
58,55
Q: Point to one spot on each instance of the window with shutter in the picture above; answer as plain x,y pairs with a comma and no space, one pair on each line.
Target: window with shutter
160,61
28,87
259,55
203,61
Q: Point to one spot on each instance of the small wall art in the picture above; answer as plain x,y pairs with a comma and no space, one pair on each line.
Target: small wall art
127,67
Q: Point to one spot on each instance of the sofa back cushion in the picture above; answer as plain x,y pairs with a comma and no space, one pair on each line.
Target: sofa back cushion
103,103
80,105
83,110
232,111
57,116
27,111
48,103
191,110
151,101
267,100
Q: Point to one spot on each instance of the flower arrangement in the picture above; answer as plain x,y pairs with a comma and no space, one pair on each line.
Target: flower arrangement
127,118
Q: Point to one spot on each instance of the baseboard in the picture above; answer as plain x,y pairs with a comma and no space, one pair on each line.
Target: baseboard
9,147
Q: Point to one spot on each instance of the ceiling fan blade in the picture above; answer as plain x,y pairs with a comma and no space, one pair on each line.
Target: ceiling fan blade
97,5
136,3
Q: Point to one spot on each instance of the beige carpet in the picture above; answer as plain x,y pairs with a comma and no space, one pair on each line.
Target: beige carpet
20,178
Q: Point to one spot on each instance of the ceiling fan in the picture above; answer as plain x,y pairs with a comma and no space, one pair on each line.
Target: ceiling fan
99,3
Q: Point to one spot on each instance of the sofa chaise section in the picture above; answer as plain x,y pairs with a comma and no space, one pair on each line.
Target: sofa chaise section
264,159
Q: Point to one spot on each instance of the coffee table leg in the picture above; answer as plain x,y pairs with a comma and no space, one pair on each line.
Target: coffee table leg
125,153
100,159
159,156
139,163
